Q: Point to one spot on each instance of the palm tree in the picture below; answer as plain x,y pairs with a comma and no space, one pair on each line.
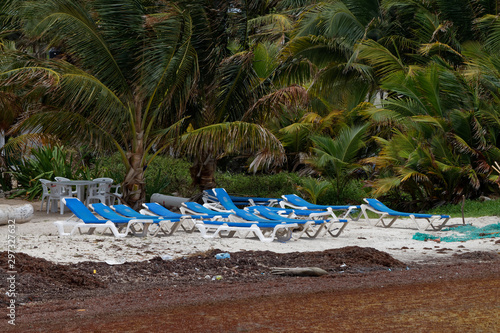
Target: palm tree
129,70
224,102
440,148
314,188
137,70
336,158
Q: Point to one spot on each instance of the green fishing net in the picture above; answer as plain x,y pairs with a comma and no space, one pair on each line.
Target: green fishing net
463,233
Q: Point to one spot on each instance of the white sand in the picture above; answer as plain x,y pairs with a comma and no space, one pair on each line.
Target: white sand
39,238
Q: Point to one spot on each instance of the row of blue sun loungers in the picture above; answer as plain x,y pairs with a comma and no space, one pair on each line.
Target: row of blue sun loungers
267,219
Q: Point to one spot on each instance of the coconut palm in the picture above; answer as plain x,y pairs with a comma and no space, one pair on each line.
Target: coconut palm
336,158
132,76
440,148
313,188
128,72
227,104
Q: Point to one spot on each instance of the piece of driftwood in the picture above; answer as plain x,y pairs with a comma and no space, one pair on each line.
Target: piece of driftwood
299,271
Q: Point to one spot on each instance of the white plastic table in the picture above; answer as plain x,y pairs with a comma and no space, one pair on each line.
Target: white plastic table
80,186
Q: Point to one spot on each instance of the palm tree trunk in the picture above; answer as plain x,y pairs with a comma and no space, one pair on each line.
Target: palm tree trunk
134,186
203,173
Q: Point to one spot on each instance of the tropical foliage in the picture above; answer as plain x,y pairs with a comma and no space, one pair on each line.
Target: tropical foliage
403,95
129,78
45,163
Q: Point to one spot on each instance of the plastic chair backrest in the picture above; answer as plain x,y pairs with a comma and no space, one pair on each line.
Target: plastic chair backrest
127,211
194,206
61,179
158,209
102,186
296,200
58,189
108,213
45,187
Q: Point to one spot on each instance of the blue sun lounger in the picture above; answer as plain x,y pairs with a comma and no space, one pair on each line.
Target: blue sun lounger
241,215
156,224
191,207
227,204
159,210
265,231
84,218
302,213
107,213
209,197
383,211
188,219
296,202
314,227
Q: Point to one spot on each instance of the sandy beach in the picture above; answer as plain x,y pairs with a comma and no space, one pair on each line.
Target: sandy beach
39,238
378,279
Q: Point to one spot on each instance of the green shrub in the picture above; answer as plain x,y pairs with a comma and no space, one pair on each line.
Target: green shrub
45,163
168,175
472,208
165,175
313,188
352,194
110,167
269,186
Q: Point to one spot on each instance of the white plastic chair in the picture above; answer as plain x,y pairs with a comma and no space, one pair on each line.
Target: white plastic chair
69,188
54,193
45,192
116,194
101,191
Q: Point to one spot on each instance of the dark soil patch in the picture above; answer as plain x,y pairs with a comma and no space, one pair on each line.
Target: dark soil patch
40,280
367,285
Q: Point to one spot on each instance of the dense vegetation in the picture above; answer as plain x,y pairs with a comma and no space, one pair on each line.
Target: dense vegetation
391,99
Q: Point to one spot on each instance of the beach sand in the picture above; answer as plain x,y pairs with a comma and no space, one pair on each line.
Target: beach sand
39,238
379,280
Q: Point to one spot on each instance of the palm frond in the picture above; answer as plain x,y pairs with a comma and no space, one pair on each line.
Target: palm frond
291,96
86,95
331,20
317,49
384,185
341,150
270,27
170,65
491,24
64,19
237,86
381,58
223,139
437,48
20,145
69,126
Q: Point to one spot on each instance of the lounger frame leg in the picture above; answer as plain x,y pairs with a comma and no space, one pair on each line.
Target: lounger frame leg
335,232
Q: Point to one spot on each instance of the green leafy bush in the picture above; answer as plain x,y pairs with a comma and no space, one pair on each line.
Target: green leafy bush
165,175
168,175
44,163
269,186
353,194
313,188
472,208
